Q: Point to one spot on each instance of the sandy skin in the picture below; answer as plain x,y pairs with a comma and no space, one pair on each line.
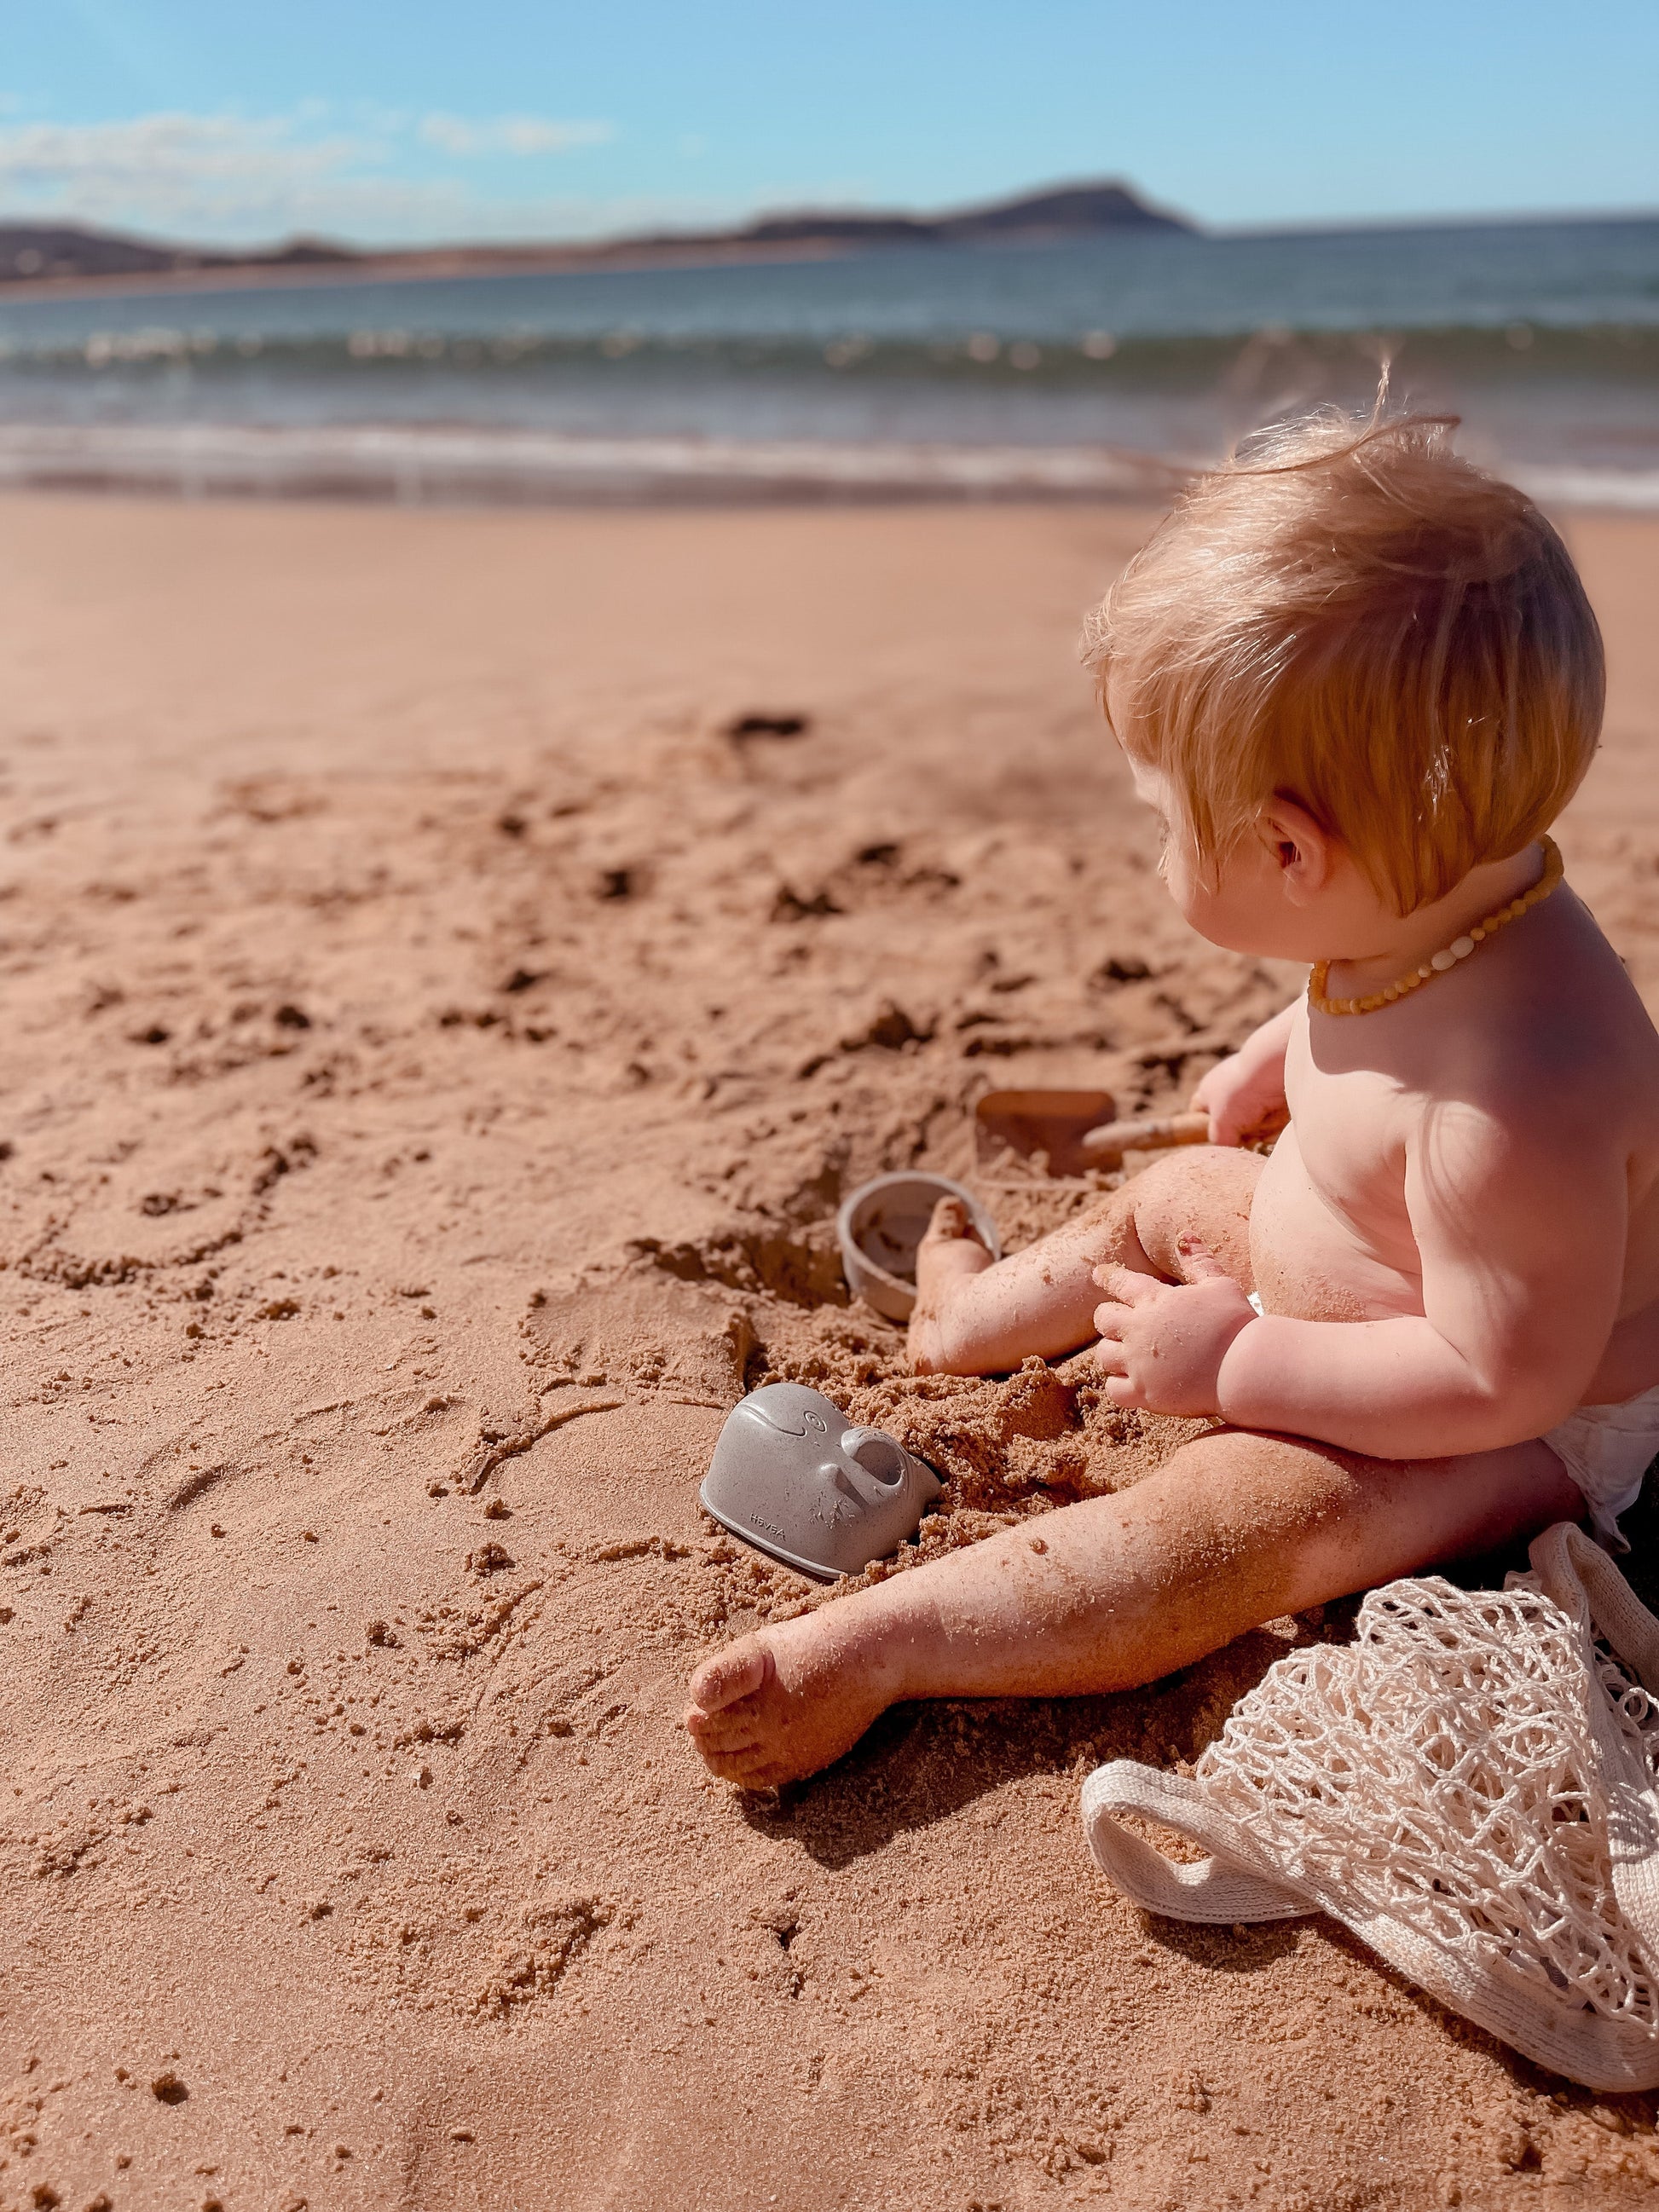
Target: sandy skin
1236,1529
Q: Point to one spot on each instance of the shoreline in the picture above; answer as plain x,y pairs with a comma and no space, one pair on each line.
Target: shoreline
439,465
421,265
407,465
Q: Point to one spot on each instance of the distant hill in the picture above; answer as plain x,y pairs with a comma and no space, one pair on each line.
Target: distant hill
1066,207
1066,210
32,250
38,252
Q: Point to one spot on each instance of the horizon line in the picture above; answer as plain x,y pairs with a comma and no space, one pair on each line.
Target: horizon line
1160,213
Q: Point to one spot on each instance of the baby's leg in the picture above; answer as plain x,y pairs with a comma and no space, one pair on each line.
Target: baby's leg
975,1318
1235,1529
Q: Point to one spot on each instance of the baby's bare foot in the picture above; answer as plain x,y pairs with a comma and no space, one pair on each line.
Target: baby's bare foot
785,1701
948,1255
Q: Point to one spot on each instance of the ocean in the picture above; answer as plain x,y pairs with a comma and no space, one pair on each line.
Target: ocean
1085,367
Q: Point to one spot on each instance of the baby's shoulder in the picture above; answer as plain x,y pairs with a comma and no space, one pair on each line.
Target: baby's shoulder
1567,1047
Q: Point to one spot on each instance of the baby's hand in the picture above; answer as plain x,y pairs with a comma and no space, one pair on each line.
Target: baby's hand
1244,1098
1162,1344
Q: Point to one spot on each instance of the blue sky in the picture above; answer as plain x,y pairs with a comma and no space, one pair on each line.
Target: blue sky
233,120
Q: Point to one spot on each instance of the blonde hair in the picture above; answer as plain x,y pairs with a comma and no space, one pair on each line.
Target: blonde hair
1350,615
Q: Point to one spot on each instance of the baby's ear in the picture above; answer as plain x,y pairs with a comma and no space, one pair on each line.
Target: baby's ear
1304,849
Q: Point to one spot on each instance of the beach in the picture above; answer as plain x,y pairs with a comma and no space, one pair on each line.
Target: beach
457,961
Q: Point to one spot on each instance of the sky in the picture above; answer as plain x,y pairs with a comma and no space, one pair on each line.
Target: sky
399,121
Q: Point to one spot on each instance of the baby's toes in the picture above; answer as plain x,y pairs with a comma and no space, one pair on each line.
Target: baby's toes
948,1222
737,1672
733,1728
756,1769
737,1763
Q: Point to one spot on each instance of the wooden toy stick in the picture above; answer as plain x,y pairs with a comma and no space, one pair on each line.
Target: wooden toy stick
1104,1147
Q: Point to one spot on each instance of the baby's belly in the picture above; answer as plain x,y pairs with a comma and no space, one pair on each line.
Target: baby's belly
1312,1263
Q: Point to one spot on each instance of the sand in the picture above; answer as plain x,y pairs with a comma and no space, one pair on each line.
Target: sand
436,1046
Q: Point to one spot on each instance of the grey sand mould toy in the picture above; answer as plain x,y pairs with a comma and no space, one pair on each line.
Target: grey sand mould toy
791,1475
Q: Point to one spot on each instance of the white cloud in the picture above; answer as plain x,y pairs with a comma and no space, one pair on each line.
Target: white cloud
216,179
510,134
373,179
221,169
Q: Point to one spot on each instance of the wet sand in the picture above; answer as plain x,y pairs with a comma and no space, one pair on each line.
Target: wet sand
436,1046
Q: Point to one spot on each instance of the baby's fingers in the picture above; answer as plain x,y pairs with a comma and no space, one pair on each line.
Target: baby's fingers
1201,1264
1111,1359
1123,1392
1126,1287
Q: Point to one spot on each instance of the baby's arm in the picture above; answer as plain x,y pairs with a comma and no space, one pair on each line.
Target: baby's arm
1245,1092
1520,1225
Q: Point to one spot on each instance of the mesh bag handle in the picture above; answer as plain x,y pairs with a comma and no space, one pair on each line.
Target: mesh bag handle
1227,1886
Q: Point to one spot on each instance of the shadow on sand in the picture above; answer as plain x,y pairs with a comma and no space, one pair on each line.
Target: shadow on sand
920,1764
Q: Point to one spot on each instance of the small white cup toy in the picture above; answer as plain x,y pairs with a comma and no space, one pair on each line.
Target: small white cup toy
793,1476
880,1226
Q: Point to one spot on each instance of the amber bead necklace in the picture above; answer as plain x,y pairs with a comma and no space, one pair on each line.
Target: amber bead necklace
1439,964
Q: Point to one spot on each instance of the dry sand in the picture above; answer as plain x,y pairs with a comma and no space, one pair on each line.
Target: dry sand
436,1047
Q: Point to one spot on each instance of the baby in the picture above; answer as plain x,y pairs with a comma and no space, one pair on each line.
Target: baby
1355,679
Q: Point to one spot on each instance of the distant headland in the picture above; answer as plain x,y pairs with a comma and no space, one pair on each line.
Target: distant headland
56,254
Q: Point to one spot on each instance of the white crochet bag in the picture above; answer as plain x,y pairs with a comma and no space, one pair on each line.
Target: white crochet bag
1469,1787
